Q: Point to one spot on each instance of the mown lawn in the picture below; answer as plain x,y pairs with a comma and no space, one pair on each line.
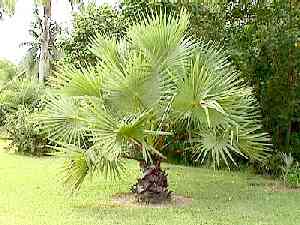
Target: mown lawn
31,194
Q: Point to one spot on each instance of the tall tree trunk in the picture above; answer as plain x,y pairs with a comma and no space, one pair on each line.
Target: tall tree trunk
44,54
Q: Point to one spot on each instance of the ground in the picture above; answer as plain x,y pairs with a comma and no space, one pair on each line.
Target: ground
31,194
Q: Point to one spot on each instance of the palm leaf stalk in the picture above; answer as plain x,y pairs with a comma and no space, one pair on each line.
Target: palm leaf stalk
144,88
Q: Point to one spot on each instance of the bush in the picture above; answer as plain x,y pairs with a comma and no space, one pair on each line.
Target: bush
283,166
293,177
18,103
280,165
26,138
290,171
22,92
276,165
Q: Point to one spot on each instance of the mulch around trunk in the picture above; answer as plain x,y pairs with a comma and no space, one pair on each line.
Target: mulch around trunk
129,200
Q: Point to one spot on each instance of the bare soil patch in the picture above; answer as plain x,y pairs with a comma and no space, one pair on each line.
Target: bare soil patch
272,185
279,187
128,200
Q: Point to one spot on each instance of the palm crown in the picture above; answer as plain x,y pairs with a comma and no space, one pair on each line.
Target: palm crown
145,87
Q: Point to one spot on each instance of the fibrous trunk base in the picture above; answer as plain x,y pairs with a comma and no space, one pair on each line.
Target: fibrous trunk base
152,187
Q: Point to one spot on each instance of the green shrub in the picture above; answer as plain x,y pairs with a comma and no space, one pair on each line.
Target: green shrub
274,165
293,177
18,103
280,165
25,136
22,92
290,170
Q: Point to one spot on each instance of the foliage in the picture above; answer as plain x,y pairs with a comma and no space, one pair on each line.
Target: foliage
7,6
290,171
7,71
262,38
132,11
295,144
287,164
18,103
145,86
272,166
25,136
293,177
283,166
87,22
265,49
29,64
22,92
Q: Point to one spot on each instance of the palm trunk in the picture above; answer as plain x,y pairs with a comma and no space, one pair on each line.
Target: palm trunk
152,187
44,54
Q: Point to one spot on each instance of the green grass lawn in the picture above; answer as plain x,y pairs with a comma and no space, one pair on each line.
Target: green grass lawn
31,194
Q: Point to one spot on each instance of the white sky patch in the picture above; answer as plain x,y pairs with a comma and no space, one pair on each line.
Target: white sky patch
14,30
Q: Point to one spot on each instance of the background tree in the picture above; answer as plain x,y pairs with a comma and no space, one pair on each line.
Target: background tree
90,20
9,6
263,41
29,64
44,62
19,100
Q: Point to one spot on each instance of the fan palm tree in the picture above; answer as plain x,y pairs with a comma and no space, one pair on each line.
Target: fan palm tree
145,87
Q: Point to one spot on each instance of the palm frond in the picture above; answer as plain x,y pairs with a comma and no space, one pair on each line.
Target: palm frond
81,163
215,101
136,81
164,32
109,51
204,94
77,82
139,90
64,120
111,135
